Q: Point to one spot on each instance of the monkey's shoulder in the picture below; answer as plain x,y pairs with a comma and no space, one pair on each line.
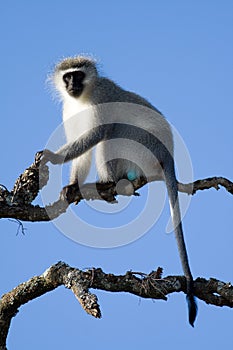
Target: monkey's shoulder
106,90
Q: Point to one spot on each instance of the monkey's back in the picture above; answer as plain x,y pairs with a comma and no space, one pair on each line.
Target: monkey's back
137,133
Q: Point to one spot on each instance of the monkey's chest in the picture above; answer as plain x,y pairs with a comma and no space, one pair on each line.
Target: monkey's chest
78,118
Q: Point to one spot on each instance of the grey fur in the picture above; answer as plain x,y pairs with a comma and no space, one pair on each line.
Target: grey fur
106,112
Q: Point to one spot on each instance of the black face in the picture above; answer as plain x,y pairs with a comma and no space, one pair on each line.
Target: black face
74,82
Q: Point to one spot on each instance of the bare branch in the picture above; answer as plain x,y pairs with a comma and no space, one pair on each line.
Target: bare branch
16,204
205,184
29,183
150,285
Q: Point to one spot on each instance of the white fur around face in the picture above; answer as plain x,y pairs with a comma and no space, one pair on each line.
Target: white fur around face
60,86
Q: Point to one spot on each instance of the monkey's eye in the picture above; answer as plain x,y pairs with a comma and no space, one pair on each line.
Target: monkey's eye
79,75
76,76
67,77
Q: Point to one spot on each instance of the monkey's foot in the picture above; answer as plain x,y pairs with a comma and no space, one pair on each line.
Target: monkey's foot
71,193
101,191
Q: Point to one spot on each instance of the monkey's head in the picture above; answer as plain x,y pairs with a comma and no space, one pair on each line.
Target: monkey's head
73,76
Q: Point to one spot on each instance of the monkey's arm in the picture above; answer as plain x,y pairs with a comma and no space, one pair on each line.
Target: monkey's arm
76,148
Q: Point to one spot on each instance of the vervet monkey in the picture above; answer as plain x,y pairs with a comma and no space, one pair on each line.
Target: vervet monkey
96,112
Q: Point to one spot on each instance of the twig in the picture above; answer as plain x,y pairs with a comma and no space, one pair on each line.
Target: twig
20,226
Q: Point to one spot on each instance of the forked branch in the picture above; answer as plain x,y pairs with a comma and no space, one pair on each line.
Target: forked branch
151,286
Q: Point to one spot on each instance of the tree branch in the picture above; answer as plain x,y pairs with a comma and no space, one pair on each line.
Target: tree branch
16,204
150,285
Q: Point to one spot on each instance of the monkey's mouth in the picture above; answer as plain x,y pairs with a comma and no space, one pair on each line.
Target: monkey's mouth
75,91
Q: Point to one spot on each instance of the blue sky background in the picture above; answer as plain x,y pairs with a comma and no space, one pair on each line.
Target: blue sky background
179,55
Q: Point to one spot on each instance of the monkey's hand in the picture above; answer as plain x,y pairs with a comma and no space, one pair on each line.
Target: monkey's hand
49,156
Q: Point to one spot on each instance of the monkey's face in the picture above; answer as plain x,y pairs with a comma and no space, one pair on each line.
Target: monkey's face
74,82
73,75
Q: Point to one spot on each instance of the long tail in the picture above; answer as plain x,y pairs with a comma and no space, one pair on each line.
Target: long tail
192,306
172,188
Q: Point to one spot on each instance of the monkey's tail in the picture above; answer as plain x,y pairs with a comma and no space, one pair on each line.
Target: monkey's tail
171,182
192,306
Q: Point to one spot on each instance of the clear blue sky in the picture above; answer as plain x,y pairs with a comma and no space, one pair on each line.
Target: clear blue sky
179,55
